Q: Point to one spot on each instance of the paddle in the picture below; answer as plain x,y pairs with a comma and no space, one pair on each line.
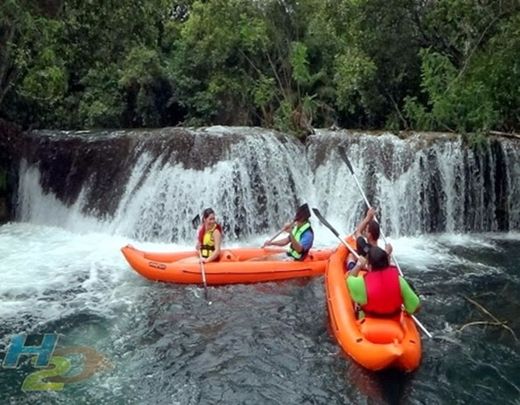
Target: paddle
275,236
203,271
343,155
195,223
333,230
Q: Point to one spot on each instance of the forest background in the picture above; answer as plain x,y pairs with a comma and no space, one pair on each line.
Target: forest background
426,65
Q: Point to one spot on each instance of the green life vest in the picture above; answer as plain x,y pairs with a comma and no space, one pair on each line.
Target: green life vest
297,233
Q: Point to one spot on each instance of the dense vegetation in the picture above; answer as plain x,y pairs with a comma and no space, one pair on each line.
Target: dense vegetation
288,64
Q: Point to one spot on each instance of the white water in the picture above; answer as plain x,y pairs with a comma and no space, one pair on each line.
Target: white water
257,184
72,278
41,263
79,284
59,248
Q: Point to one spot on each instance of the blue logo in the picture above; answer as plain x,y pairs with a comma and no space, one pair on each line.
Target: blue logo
54,363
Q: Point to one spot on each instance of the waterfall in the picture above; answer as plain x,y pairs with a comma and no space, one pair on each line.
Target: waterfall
149,184
422,184
150,188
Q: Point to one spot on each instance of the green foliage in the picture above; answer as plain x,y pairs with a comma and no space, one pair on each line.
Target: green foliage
101,103
208,65
353,72
283,117
292,64
458,101
497,66
300,63
468,79
47,82
143,79
26,37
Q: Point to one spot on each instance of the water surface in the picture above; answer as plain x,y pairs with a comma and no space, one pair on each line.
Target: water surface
255,344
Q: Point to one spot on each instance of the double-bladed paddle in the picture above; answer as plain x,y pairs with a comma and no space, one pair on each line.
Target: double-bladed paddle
328,225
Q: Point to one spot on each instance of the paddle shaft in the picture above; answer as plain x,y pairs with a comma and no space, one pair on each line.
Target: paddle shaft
195,222
333,230
345,158
203,271
375,218
275,236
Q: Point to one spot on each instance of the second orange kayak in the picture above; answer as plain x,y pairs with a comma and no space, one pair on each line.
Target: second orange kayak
375,343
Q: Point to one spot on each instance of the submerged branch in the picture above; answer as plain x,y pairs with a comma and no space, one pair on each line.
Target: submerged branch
496,321
479,306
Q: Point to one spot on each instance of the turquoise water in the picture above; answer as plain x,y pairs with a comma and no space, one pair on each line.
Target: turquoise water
255,344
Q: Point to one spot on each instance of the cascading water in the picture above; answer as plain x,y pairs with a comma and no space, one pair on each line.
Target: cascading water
256,178
420,185
254,183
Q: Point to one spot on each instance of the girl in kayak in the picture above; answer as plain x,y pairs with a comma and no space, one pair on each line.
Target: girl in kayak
209,237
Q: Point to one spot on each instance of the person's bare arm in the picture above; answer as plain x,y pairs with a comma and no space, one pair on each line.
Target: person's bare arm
360,265
363,224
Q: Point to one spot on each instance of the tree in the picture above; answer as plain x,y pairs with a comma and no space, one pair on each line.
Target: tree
468,79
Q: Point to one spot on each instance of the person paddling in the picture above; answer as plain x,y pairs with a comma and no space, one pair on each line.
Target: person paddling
209,237
366,235
301,235
382,291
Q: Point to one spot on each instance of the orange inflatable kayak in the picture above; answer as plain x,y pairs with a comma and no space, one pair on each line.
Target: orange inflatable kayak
241,265
375,343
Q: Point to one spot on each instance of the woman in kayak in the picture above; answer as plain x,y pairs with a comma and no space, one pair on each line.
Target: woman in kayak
209,237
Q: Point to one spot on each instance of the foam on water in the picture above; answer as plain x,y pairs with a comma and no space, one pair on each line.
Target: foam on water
48,272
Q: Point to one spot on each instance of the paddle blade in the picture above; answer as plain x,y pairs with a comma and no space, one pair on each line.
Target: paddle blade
343,155
325,222
195,222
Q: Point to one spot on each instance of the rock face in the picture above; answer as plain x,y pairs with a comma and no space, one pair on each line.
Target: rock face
68,162
10,139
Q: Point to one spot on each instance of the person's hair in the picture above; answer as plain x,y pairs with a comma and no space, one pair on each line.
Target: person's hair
362,246
377,258
302,213
207,212
373,229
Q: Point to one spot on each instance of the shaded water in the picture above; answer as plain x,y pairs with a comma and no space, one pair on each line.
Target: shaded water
255,344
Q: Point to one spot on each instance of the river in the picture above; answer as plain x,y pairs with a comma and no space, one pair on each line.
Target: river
266,343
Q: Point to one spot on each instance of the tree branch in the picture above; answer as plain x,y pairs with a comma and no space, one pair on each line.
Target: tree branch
496,321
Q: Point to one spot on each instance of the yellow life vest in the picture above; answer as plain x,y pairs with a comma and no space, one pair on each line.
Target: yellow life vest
208,242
